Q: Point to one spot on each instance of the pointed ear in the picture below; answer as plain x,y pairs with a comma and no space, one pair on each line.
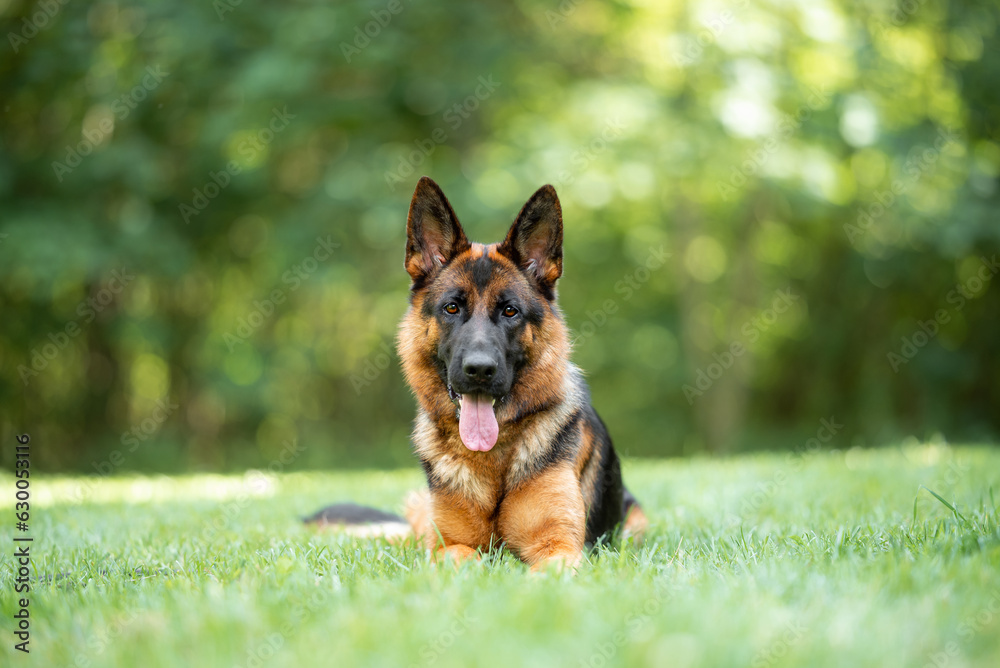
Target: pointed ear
433,233
534,241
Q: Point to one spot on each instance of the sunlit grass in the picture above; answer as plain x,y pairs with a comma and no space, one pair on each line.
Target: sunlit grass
768,560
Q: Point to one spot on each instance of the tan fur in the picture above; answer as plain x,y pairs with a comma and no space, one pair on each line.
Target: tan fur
588,465
543,519
418,514
635,525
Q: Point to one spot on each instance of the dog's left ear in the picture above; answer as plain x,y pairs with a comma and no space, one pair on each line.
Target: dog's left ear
534,241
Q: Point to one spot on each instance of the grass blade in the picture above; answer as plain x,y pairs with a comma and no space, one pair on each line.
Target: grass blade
947,505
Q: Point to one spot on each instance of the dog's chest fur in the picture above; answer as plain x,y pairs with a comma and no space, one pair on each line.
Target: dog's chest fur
484,478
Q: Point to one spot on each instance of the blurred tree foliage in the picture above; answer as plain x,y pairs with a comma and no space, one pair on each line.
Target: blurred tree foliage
203,210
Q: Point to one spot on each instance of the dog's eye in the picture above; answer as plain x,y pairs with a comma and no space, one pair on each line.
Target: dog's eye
451,308
510,312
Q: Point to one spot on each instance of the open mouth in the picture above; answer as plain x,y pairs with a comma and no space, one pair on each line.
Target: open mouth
477,422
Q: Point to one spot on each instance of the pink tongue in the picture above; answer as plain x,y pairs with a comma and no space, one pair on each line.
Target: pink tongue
477,425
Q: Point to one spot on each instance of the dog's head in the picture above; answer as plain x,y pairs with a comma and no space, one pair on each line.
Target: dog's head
483,318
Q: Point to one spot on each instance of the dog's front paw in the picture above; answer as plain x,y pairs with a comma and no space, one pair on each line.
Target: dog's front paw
559,562
455,554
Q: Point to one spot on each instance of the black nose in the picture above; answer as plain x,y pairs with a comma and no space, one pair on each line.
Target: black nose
479,367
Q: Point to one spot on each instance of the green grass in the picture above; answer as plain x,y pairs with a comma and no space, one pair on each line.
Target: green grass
836,559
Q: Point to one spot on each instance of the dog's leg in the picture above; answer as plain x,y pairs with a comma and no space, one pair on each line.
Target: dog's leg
544,520
457,552
419,514
446,525
635,523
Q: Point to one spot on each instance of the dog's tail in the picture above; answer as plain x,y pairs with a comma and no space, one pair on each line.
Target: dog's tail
360,521
366,522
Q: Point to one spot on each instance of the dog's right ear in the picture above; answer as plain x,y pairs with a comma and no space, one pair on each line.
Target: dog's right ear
433,233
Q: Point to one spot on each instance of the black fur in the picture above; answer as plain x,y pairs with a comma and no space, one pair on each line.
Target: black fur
607,509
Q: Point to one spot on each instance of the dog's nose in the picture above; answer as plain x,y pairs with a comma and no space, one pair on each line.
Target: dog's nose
479,367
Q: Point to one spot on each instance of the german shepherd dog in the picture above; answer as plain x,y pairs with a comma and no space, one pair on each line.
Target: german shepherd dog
513,451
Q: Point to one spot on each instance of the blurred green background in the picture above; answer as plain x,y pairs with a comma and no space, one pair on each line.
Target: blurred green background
777,213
